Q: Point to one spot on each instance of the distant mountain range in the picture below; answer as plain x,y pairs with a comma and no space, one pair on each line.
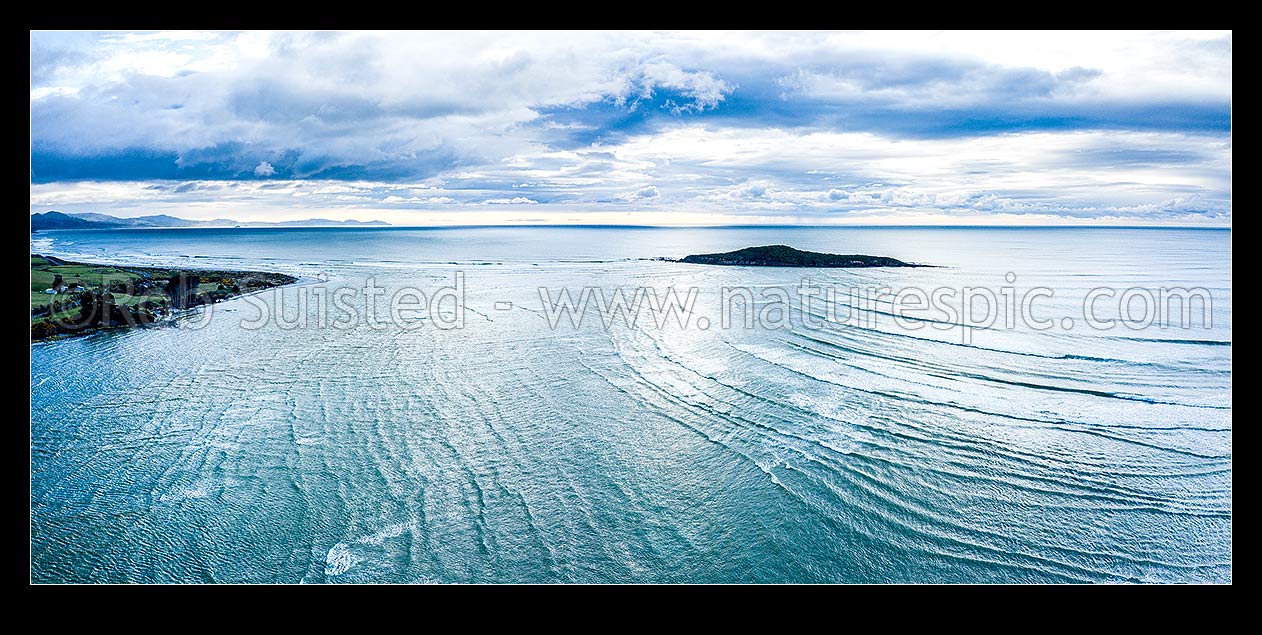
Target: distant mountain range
89,220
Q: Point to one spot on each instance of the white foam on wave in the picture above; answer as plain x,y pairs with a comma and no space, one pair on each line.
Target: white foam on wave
196,489
339,560
392,531
341,557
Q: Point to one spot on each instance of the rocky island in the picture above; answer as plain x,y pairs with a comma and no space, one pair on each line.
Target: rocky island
74,298
786,256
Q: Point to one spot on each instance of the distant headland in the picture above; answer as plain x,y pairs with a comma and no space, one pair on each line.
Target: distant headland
786,256
88,220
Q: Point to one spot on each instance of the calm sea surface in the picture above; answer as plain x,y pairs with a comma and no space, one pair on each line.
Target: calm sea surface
828,443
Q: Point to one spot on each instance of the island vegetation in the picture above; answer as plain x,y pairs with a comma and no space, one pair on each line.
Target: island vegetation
74,298
786,256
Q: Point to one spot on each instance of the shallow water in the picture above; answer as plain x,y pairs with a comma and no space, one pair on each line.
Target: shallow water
508,450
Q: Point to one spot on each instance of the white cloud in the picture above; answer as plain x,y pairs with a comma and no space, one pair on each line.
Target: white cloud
705,89
428,200
753,190
389,122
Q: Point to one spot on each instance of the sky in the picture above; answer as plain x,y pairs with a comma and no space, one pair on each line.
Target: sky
655,128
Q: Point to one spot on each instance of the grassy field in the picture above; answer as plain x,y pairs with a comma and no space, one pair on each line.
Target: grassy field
89,276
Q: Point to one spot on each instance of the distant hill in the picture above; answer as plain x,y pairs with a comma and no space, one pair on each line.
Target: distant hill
158,220
96,218
57,220
90,220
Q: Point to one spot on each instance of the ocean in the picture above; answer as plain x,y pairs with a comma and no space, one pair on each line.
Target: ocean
782,425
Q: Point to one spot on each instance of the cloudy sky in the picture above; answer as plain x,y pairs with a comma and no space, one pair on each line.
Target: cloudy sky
637,128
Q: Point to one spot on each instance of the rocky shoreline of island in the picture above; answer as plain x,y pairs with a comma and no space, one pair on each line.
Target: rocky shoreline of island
76,298
786,256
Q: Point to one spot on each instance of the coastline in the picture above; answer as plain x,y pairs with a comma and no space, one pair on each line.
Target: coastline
78,297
